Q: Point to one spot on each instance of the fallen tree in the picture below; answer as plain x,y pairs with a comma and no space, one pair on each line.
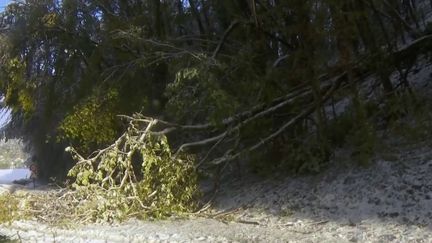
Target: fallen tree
226,82
135,176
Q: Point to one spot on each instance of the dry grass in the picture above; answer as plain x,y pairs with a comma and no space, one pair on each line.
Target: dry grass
54,207
12,207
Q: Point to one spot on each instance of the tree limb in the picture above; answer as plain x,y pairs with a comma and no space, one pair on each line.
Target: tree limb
225,35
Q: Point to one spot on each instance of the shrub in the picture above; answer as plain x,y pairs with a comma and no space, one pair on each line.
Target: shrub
138,176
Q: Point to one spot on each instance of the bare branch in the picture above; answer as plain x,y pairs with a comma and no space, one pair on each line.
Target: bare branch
275,134
222,41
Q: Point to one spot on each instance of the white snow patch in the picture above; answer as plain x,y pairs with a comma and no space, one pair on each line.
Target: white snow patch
9,175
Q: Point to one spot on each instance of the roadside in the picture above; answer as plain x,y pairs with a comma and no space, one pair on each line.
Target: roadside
389,201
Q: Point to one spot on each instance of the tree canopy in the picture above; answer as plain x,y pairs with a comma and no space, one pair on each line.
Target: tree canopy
228,79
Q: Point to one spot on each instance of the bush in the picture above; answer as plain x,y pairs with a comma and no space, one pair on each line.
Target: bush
138,176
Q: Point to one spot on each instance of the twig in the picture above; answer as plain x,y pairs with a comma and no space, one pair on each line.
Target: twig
225,35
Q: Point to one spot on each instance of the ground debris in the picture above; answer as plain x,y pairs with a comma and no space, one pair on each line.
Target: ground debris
386,202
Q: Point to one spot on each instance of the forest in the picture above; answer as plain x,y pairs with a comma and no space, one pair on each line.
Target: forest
151,96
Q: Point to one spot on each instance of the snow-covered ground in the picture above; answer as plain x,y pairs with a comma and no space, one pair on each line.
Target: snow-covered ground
390,201
7,176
